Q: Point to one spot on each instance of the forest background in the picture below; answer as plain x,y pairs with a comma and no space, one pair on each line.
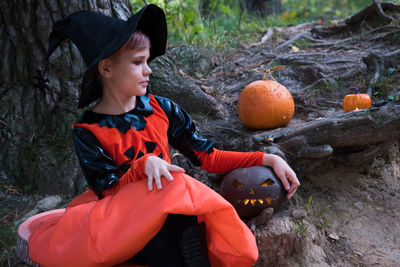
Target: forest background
225,23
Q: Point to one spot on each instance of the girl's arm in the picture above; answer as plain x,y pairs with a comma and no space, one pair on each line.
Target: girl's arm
183,136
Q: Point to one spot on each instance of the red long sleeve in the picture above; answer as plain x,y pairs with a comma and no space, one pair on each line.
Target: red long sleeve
219,161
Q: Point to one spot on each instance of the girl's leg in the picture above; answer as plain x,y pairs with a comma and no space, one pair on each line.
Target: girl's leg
192,240
193,245
163,249
181,242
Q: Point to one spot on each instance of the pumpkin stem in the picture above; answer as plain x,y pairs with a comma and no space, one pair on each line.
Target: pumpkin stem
268,72
355,90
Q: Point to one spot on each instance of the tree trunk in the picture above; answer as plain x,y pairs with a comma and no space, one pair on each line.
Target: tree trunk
264,7
36,110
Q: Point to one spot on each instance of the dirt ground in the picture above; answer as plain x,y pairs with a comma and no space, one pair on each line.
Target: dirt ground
362,208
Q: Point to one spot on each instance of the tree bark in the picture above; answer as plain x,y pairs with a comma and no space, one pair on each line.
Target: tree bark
37,110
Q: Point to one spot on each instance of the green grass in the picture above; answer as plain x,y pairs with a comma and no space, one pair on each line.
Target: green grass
220,33
300,227
225,25
317,214
221,23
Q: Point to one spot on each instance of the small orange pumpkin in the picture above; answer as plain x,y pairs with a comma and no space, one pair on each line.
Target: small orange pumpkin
265,104
356,101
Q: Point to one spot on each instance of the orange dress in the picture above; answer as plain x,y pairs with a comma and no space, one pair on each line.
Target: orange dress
113,220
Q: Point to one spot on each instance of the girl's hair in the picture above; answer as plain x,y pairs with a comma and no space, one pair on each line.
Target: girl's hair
138,40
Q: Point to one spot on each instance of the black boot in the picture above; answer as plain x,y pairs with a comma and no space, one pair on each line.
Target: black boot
194,246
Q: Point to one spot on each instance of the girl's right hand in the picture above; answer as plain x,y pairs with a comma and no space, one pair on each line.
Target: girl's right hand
155,168
284,172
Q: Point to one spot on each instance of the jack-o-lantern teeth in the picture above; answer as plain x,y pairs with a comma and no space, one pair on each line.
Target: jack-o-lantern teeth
236,184
251,201
250,190
267,182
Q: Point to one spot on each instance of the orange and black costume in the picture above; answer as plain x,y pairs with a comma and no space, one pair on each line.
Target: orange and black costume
114,226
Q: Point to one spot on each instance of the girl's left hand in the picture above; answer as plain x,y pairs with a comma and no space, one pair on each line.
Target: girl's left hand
155,168
284,172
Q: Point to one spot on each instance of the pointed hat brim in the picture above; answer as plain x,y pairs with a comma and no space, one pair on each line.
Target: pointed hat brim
151,21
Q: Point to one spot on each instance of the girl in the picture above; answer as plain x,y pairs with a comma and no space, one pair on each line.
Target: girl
123,147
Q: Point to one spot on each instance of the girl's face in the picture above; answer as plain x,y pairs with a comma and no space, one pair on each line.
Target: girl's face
130,72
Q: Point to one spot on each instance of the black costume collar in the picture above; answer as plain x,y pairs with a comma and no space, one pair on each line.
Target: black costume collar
122,122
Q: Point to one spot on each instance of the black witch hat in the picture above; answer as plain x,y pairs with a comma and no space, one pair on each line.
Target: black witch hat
98,36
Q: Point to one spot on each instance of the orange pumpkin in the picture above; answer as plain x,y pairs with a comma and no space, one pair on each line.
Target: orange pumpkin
265,104
356,101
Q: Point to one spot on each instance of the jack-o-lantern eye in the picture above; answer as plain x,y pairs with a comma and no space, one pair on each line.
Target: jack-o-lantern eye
236,184
267,182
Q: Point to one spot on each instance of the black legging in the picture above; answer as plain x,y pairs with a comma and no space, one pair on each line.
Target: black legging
163,249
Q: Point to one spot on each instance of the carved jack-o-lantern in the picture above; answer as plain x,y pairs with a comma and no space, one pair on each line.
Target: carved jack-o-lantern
250,190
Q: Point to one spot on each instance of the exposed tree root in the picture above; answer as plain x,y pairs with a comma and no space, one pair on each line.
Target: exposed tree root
299,36
351,136
386,32
376,10
377,63
267,35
